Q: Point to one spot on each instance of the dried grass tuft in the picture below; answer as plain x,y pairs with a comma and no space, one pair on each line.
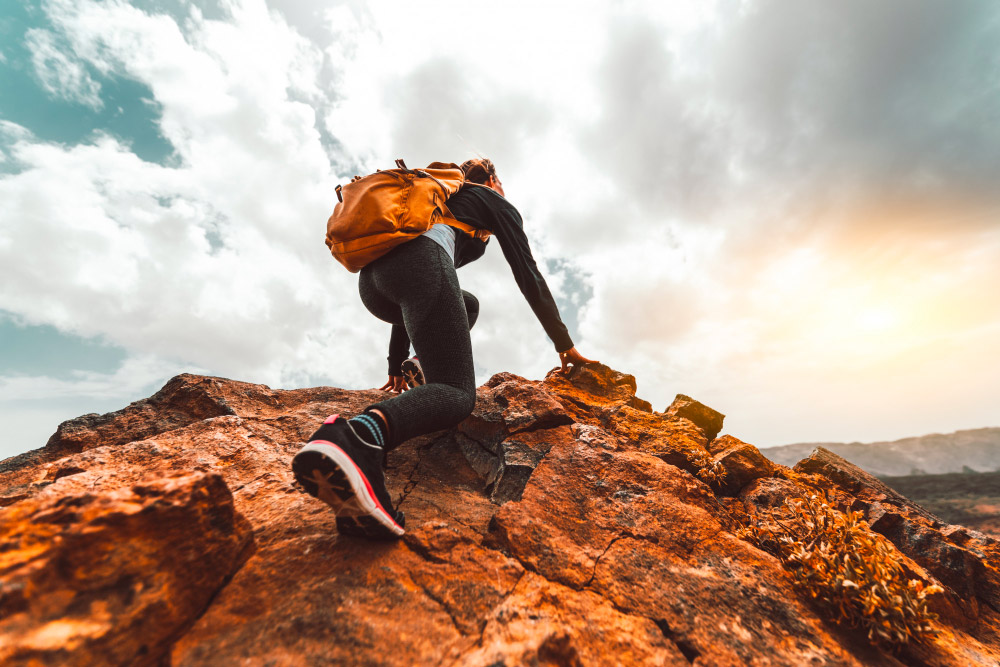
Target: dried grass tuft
837,560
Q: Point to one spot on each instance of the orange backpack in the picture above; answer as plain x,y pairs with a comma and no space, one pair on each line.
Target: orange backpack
378,212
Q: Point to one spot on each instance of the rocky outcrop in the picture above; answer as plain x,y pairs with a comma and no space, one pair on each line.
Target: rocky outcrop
564,523
704,417
512,430
742,462
114,577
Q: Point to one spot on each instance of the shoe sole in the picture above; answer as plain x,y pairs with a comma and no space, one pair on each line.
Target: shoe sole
326,472
413,375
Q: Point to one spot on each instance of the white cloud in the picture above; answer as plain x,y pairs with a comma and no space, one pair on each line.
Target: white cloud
218,261
11,132
829,214
61,73
794,226
10,135
135,374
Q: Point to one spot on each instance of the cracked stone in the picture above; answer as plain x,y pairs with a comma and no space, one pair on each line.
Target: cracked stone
704,417
507,469
742,462
112,578
604,542
546,623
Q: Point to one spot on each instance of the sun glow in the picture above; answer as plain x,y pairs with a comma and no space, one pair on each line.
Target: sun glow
876,319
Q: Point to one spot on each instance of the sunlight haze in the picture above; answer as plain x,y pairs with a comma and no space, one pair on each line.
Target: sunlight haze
786,210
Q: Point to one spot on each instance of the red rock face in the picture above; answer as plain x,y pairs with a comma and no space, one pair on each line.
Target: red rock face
563,523
114,577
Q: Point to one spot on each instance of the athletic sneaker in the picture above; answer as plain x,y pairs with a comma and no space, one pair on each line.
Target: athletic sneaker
413,374
345,472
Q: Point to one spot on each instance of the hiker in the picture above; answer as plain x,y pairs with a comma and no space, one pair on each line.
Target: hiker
415,288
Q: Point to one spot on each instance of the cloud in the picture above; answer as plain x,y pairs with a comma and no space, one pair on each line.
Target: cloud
780,209
135,374
216,261
791,188
10,134
810,102
867,97
61,73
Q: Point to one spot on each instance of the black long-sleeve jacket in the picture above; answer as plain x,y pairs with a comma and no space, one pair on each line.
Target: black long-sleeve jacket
484,208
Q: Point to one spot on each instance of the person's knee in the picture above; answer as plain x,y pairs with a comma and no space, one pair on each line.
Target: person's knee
471,308
471,302
468,403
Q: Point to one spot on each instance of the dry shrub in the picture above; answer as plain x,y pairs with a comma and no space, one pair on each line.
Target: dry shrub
837,560
708,470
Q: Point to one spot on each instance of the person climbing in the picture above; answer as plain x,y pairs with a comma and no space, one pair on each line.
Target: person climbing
415,287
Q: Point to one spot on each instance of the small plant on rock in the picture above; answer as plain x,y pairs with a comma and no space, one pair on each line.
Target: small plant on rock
709,470
837,560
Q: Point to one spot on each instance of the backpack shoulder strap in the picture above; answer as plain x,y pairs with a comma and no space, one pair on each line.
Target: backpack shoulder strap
447,217
450,220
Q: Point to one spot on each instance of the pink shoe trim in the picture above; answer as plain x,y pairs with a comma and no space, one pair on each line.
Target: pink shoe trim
331,419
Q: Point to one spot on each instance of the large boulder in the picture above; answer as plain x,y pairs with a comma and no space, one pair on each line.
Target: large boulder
742,462
115,577
704,417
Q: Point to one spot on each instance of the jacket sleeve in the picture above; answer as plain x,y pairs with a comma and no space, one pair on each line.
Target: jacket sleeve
399,348
509,231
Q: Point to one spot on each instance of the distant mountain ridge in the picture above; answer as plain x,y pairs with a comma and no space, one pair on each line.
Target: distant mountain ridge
973,450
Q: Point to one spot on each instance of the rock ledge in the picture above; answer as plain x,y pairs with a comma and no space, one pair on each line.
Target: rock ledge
564,523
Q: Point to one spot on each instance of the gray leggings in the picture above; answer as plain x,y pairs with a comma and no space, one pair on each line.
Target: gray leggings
415,285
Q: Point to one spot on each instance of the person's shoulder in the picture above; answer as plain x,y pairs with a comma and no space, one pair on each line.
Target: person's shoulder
467,193
484,206
490,197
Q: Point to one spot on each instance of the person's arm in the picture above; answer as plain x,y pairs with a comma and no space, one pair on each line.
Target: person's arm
494,213
399,349
509,231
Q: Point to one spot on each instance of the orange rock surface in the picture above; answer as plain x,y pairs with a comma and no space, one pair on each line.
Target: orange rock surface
564,523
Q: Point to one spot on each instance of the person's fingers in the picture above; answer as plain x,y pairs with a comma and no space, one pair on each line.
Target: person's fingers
396,384
573,356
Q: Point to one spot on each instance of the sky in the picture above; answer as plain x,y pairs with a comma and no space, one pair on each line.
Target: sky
785,209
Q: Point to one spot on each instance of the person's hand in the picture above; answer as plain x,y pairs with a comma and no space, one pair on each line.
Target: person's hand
396,384
571,356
